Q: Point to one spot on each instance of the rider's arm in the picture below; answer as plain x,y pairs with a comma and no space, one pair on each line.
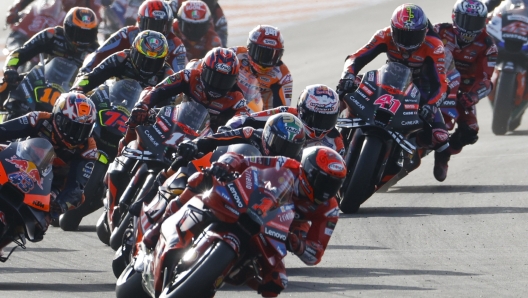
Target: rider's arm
41,42
22,126
282,90
110,67
324,220
435,71
118,41
236,136
258,120
220,24
171,86
482,86
178,57
377,45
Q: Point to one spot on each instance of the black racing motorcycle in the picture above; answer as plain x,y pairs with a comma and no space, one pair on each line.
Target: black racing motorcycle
509,29
385,106
114,101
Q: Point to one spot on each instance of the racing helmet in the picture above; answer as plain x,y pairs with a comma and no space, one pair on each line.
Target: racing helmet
469,19
318,108
265,47
283,135
80,27
408,26
155,15
220,68
324,170
74,116
148,52
194,19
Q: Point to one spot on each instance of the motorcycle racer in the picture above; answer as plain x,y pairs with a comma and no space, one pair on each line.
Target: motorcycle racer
319,175
408,41
492,4
475,56
68,127
143,62
194,27
155,15
74,40
214,86
317,108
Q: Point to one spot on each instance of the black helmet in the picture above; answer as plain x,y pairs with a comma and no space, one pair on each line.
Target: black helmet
283,135
80,27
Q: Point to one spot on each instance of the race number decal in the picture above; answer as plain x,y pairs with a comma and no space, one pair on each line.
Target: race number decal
388,102
47,95
114,119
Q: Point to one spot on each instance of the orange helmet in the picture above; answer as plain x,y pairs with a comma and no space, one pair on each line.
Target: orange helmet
265,47
194,19
325,171
80,27
74,116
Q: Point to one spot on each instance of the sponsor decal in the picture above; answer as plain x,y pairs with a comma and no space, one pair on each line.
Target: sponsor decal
371,76
411,106
162,125
232,210
235,195
27,176
414,122
449,103
248,131
270,42
328,231
334,212
222,67
287,216
275,233
357,103
338,167
439,50
410,113
366,90
151,138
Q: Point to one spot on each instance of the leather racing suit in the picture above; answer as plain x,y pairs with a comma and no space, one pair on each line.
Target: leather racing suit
118,65
122,40
314,222
72,167
475,62
427,66
220,24
333,139
198,49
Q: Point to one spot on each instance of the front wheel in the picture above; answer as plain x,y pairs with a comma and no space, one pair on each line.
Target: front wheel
129,284
102,229
199,279
361,185
503,103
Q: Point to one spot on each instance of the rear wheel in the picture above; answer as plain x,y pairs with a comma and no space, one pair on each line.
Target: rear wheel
198,280
361,185
129,284
503,103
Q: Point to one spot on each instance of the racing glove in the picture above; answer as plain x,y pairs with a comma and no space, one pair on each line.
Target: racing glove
346,85
12,16
468,99
295,242
220,170
427,112
11,76
138,116
188,150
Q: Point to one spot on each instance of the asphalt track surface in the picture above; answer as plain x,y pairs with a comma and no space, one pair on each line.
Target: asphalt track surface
465,237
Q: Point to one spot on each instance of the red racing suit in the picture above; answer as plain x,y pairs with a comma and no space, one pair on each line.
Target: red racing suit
475,62
197,50
333,139
427,66
188,81
122,40
314,222
220,24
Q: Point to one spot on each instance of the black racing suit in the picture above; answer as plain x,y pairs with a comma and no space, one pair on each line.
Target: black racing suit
72,167
118,65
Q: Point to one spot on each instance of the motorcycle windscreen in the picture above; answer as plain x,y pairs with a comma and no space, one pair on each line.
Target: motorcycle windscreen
124,93
60,72
394,77
192,118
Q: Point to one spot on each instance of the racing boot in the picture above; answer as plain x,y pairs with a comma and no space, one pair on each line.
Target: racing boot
440,166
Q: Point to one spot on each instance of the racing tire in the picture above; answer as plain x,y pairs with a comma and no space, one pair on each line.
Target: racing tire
116,238
102,229
361,185
121,260
195,281
503,103
130,284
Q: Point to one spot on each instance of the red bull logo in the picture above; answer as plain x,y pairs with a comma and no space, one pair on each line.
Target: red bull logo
27,176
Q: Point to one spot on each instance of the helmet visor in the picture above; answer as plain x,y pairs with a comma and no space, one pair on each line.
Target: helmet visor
318,122
218,81
81,37
73,132
146,65
194,31
408,39
470,23
324,186
283,147
154,25
264,56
